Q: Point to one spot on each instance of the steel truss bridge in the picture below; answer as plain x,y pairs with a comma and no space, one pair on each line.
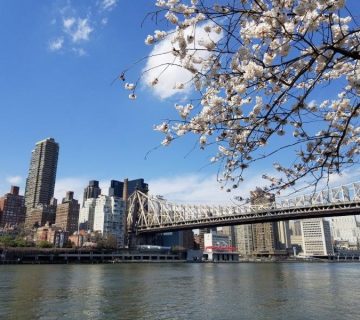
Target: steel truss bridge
149,214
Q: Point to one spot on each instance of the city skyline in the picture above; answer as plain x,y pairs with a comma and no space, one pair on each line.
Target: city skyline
61,67
192,188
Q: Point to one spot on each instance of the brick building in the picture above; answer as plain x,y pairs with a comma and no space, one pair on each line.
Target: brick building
12,208
67,213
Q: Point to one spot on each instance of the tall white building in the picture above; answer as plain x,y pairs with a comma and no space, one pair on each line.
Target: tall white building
346,229
109,218
316,237
87,214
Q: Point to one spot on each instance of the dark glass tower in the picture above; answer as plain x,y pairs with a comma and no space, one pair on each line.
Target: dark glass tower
92,190
116,188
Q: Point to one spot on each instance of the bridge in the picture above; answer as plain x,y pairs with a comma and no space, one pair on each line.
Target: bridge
149,214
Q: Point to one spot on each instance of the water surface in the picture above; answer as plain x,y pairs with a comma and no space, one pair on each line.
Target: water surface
181,291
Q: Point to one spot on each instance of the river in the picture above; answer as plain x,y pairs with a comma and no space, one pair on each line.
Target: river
181,291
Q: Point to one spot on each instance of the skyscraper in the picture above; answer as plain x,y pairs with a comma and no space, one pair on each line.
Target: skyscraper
92,190
116,188
40,183
265,235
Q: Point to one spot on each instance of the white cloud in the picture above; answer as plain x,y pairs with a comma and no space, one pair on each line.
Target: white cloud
76,25
157,65
56,44
79,51
108,4
68,23
78,29
196,188
14,180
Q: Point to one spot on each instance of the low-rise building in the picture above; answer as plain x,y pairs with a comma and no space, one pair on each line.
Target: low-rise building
218,248
52,234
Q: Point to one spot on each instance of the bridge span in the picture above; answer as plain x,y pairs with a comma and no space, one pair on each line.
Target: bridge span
149,214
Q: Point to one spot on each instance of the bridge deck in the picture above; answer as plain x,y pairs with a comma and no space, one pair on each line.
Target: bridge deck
297,213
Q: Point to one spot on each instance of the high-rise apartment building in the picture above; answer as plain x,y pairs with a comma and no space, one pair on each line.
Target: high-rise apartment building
12,208
87,213
67,213
92,190
244,239
346,229
265,235
109,218
40,183
316,237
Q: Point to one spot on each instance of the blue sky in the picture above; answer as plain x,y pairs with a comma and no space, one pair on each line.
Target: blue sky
57,62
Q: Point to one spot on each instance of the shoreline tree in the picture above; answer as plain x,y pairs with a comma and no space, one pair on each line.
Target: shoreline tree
259,72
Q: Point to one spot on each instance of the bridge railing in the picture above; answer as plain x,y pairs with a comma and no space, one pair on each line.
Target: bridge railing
154,211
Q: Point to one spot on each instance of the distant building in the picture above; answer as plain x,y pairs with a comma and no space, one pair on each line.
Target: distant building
40,182
109,218
87,213
177,240
284,241
52,234
316,237
42,214
244,239
12,208
92,190
67,213
346,229
229,231
116,189
265,235
218,248
137,184
296,237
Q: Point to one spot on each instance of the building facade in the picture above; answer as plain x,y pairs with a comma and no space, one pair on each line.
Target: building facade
116,188
265,235
92,190
109,218
67,213
40,183
42,214
316,237
346,229
12,208
87,213
244,239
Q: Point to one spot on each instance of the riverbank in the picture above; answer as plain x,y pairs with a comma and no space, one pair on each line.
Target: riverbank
87,256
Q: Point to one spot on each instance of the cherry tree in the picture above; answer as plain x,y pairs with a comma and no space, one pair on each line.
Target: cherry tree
269,75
